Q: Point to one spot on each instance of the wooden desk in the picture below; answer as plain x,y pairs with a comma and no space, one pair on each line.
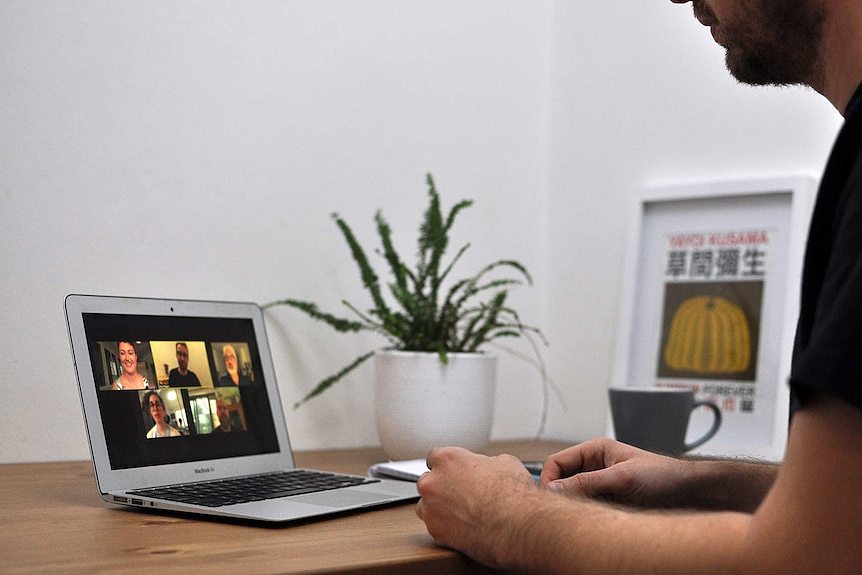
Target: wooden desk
52,520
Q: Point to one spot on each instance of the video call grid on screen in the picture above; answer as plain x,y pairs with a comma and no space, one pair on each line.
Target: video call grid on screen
178,389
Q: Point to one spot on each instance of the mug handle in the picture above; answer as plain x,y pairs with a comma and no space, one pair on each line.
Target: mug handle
712,431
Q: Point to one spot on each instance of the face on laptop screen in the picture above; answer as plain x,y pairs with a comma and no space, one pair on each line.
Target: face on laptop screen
178,389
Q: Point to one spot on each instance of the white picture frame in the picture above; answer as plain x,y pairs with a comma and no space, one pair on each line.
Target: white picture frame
675,227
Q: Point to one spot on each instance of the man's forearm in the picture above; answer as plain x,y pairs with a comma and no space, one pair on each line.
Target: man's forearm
808,523
728,485
555,534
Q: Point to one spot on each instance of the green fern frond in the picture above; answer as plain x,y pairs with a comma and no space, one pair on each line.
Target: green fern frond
489,322
432,238
450,219
342,325
327,383
395,266
453,262
369,277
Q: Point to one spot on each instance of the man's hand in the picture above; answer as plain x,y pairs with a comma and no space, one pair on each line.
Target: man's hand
611,470
490,509
464,501
607,469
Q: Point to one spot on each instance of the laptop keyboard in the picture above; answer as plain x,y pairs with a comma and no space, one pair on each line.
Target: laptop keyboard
253,487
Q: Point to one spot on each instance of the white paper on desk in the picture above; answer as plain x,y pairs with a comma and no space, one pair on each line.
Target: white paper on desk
408,469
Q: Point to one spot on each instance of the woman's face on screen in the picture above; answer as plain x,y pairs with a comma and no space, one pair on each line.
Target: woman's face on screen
157,408
128,358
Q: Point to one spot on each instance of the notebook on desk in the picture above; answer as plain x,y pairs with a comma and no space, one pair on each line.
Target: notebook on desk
183,414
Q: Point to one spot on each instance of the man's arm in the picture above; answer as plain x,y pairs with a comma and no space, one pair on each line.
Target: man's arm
809,523
490,509
728,484
621,473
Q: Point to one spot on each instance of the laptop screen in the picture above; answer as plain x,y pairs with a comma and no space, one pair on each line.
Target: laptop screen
178,389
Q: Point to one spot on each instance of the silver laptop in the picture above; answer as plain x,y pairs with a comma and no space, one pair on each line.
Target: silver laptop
183,414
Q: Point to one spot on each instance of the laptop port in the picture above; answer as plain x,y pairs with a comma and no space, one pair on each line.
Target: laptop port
119,499
137,502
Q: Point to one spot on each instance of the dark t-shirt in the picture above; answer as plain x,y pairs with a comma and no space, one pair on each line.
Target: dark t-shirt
827,353
226,381
176,379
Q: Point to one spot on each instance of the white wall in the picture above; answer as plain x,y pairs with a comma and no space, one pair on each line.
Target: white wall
196,149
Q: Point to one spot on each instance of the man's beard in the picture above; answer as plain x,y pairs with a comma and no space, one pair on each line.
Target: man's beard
778,43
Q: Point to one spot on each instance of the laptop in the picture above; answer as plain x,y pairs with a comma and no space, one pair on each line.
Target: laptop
183,413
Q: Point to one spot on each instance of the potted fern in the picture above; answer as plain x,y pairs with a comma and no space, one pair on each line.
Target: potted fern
435,379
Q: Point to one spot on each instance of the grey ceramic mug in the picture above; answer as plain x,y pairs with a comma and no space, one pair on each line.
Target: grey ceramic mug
656,419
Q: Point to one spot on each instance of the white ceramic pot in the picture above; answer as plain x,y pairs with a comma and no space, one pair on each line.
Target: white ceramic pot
423,403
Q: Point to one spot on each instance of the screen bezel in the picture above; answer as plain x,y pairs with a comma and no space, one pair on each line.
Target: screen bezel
110,480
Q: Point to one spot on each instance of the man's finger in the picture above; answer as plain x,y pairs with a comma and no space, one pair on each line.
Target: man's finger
588,456
564,463
432,455
591,483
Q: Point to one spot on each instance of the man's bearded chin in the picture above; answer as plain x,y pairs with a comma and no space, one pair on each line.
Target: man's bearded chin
783,50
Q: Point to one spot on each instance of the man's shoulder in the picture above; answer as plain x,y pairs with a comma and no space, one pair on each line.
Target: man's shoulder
177,379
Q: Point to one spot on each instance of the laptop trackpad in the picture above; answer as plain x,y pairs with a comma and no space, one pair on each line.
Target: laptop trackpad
341,498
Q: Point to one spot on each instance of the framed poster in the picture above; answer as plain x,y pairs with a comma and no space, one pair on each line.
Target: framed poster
710,302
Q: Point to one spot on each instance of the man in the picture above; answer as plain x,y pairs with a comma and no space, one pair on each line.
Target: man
802,517
182,376
233,375
223,417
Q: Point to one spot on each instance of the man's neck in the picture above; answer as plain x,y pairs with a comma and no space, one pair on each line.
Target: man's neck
840,70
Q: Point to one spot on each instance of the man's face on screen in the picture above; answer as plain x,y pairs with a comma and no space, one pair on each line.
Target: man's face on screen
230,359
183,357
221,411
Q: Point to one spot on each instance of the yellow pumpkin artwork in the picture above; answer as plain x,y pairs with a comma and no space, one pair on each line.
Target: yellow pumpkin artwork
708,335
